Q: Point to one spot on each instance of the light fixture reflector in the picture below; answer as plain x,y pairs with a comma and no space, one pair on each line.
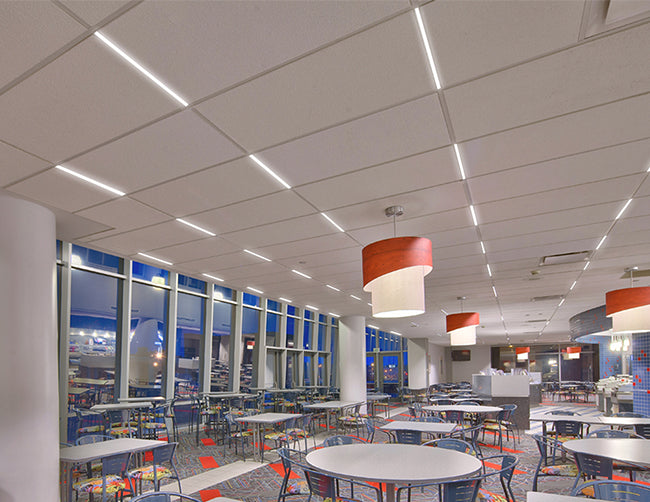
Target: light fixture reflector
601,242
255,290
356,298
286,300
623,210
332,287
471,210
489,270
311,307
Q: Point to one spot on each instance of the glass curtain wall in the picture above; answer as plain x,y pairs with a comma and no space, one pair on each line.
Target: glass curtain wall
190,321
386,363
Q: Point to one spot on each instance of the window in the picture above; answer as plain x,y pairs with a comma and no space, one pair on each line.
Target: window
86,257
272,330
307,377
252,300
291,331
189,329
250,338
222,325
223,293
186,283
150,273
322,330
307,334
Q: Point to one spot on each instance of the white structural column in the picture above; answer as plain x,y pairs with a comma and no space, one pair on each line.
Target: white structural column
417,363
352,358
29,415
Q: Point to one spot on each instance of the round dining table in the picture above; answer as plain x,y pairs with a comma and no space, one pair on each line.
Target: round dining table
629,451
393,464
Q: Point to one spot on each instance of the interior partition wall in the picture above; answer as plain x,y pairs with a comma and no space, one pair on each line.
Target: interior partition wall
130,329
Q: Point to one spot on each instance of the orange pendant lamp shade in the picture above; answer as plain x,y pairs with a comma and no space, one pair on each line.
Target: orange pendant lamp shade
573,352
522,353
462,328
393,272
629,309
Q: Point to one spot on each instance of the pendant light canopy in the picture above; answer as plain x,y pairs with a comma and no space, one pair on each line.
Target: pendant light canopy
629,309
462,328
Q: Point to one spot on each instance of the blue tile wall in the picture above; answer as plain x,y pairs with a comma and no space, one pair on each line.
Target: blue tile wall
641,372
610,362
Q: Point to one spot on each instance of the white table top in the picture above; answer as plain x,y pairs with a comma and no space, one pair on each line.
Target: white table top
591,420
332,405
393,463
268,418
156,399
463,407
93,451
553,497
377,397
631,451
121,406
431,427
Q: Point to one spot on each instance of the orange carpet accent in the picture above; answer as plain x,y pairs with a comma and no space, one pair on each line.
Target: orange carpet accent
208,441
148,456
496,467
277,467
495,434
496,447
164,439
209,494
266,447
208,462
627,478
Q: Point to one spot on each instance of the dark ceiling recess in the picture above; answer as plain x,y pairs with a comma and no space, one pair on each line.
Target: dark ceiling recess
562,258
546,298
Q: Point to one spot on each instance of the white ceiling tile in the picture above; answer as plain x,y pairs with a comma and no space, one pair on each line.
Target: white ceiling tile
447,252
61,190
608,67
85,97
308,246
357,76
422,202
474,38
405,175
124,214
545,250
167,149
217,44
320,259
617,189
251,213
215,187
31,31
251,271
16,164
629,158
196,250
72,227
454,237
404,130
221,262
148,238
93,12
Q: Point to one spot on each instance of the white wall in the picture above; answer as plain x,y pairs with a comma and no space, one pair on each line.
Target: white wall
439,364
417,363
463,370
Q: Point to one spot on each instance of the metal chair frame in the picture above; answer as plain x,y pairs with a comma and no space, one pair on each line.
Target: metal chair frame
164,497
616,490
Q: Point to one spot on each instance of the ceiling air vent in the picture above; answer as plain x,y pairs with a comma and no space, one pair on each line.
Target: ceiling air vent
560,259
537,320
546,298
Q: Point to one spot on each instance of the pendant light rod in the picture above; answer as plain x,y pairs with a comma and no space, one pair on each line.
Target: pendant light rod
394,211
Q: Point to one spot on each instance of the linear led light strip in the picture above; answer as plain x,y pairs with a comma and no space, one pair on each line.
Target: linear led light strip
338,227
268,170
213,277
90,180
256,255
156,259
301,274
427,48
255,290
196,227
140,68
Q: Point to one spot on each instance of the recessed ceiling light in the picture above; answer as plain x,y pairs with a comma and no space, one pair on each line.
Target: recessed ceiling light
311,307
333,314
444,311
256,255
471,210
301,274
494,290
140,68
489,270
196,227
332,287
286,300
482,247
213,277
268,170
156,259
90,180
370,304
601,242
623,210
561,302
356,298
573,285
338,227
427,48
256,290
586,265
460,162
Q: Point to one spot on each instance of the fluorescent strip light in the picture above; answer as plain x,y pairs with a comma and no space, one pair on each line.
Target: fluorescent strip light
332,287
211,234
471,210
256,290
372,327
586,265
256,255
427,48
301,274
396,333
90,180
333,314
370,304
444,311
494,290
156,259
311,307
573,285
482,247
601,242
213,277
489,270
356,298
333,222
623,210
460,162
502,319
286,300
140,68
268,170
561,302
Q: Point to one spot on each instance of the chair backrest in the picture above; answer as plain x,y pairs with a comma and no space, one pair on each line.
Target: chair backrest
465,490
430,419
454,416
452,444
592,465
290,457
164,497
568,428
320,484
561,412
629,414
93,438
115,464
642,430
408,437
544,444
470,403
608,433
340,440
164,453
616,490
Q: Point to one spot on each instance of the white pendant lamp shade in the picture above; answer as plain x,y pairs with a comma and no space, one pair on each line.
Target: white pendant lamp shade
629,309
462,328
393,272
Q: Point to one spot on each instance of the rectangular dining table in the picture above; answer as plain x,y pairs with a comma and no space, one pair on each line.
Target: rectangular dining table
265,419
125,406
329,407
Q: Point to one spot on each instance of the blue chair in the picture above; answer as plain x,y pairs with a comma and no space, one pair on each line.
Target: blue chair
408,437
550,467
113,481
464,490
326,487
93,438
622,491
590,466
505,471
289,459
608,433
340,440
164,497
452,444
157,471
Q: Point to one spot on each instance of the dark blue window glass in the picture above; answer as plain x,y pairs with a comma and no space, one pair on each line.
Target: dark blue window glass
291,310
252,300
95,259
273,305
291,331
223,293
150,273
191,284
272,330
